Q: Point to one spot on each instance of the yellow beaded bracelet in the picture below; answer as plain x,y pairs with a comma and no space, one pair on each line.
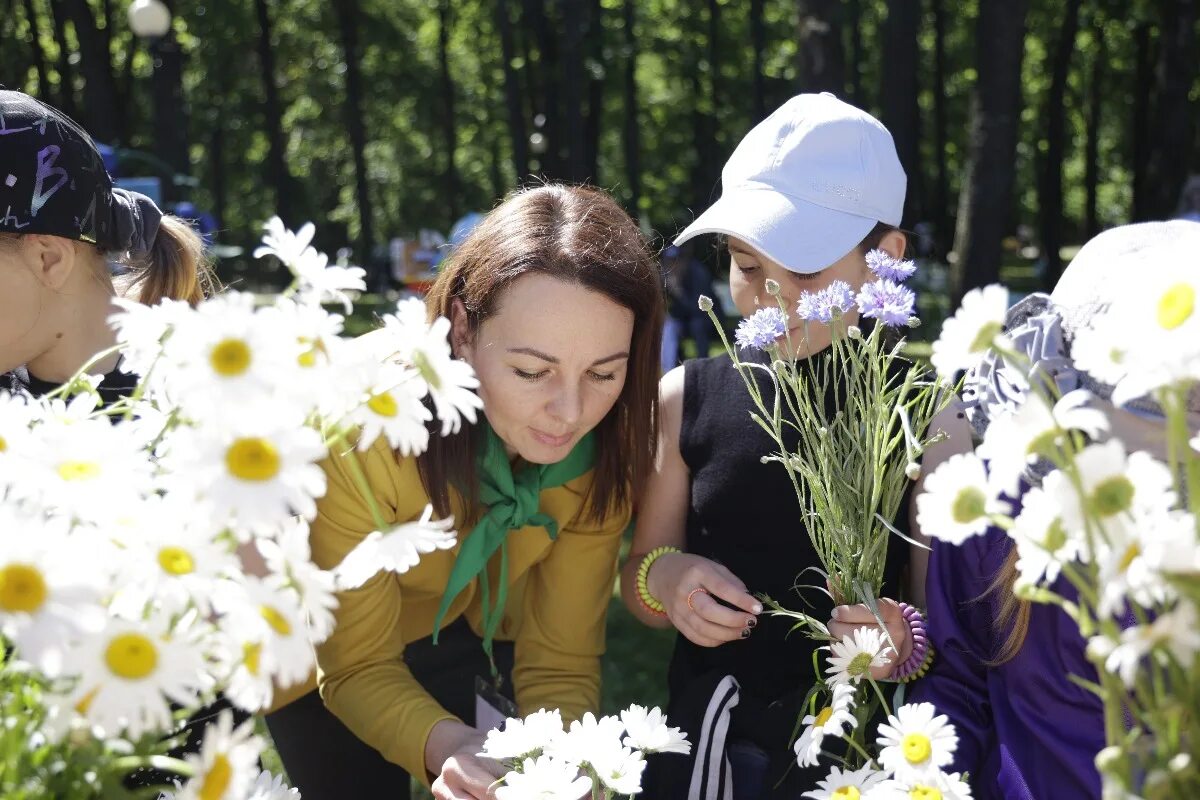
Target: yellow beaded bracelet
648,600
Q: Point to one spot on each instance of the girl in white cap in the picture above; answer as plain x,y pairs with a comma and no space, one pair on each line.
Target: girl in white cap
806,195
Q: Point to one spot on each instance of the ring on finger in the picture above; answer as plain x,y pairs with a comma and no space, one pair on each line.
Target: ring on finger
692,594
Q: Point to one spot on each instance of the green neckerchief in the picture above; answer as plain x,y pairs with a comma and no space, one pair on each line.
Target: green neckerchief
512,502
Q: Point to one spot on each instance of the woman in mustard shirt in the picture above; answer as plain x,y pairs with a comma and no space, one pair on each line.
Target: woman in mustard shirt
557,304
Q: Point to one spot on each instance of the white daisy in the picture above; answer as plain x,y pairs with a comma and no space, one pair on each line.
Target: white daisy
586,737
130,670
847,784
1174,632
619,769
829,721
318,381
142,330
1131,559
937,786
289,558
227,764
957,501
245,668
271,787
851,659
426,347
258,612
47,599
525,738
974,329
1116,486
284,244
15,418
255,470
1102,350
1043,541
321,283
647,730
915,742
397,551
390,404
544,778
1019,438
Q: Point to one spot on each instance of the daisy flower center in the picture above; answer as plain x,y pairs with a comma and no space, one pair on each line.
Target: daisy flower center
823,717
276,620
230,358
22,588
846,793
176,561
423,365
1043,444
308,358
252,459
923,792
383,404
1176,305
969,505
916,747
1056,536
860,665
78,470
986,335
250,653
131,656
3,444
1112,495
216,780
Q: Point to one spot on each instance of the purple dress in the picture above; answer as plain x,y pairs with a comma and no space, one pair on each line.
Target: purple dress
1024,729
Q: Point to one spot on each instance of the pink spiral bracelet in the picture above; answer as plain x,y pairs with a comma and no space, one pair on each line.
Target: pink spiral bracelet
918,660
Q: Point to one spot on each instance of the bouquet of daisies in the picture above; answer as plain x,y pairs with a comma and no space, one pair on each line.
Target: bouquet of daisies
596,758
849,426
123,603
1122,527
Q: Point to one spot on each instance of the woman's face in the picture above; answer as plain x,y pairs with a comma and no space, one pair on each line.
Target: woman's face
551,363
21,300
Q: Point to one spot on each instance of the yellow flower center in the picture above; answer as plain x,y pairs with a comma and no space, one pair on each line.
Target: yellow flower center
176,561
987,334
923,792
916,747
231,357
1133,551
22,588
860,665
78,470
3,444
1176,305
250,654
421,362
131,656
969,505
308,358
824,716
1112,496
1056,535
276,620
252,459
383,404
846,793
217,779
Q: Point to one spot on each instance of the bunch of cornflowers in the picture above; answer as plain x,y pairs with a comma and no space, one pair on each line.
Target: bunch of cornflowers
124,605
1110,536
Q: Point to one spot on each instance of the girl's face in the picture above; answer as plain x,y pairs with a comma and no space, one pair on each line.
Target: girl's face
551,363
750,269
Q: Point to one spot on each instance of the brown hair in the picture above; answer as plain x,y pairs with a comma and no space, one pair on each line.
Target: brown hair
872,239
1013,611
579,235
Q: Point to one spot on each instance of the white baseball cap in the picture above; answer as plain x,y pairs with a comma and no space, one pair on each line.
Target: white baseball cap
807,184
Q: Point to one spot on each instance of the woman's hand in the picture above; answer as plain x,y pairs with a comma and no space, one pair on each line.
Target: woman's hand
687,586
451,753
847,618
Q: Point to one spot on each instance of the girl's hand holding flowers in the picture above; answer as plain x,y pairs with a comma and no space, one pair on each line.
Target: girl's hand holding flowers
850,617
690,586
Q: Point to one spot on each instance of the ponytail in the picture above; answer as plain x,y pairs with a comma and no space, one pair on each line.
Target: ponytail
1013,612
174,268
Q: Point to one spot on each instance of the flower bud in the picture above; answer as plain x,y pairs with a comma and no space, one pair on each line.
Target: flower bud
705,303
912,470
1180,762
1108,757
914,322
772,287
854,332
779,365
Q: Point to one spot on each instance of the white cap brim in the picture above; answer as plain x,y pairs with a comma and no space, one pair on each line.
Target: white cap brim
798,235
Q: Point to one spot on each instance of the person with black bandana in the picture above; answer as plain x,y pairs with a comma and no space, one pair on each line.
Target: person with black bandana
61,223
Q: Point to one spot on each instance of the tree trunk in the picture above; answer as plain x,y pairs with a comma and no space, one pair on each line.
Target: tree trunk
573,87
348,23
66,81
170,109
102,111
281,179
900,87
1050,194
1142,102
854,52
35,44
986,197
631,132
705,171
546,95
943,220
449,128
512,93
758,41
822,60
1170,155
1091,179
596,78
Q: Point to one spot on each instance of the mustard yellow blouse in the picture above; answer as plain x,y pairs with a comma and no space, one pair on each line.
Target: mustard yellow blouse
558,597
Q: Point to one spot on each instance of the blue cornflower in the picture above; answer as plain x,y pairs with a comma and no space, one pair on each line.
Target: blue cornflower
892,269
837,295
808,306
887,301
761,330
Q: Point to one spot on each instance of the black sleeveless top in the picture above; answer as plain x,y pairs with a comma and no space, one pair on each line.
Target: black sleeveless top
744,514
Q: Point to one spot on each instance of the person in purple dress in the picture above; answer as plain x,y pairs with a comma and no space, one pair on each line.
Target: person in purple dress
1002,667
